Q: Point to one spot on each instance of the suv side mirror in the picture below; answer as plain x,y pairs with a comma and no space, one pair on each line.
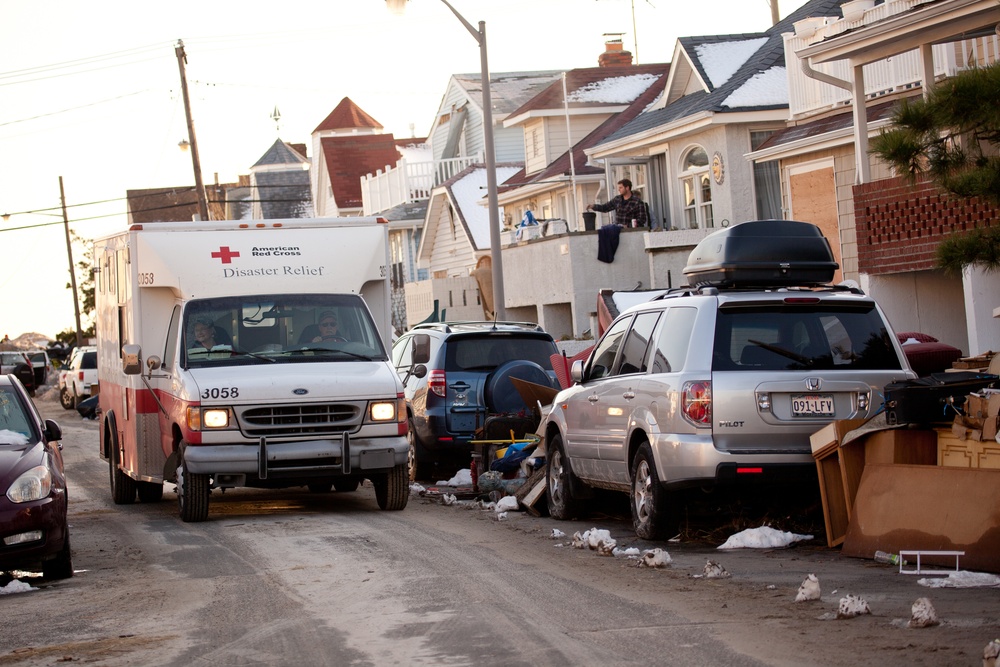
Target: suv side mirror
420,349
576,371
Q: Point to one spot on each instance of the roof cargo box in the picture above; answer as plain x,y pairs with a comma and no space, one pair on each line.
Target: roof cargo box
762,253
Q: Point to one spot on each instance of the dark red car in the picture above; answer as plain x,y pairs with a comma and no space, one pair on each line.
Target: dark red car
34,531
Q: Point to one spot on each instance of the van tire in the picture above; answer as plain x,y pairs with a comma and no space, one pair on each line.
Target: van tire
346,485
654,510
149,492
392,489
123,487
560,482
192,493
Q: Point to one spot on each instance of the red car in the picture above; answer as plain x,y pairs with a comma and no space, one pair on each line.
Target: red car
34,531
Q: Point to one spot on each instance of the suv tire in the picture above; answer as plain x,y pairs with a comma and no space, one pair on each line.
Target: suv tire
559,483
654,514
418,465
65,399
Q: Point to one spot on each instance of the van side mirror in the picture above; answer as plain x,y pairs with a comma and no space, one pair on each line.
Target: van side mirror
131,359
420,349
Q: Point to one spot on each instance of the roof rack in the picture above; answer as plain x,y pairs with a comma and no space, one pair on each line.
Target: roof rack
470,325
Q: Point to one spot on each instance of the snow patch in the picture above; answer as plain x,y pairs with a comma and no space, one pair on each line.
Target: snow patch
762,89
723,59
16,586
614,90
764,537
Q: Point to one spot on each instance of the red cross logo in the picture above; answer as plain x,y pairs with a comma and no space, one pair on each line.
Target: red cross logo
225,254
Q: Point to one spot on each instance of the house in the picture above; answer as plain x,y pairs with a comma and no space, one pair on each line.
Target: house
279,183
847,71
347,145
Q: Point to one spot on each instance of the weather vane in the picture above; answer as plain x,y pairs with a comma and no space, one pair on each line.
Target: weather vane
276,117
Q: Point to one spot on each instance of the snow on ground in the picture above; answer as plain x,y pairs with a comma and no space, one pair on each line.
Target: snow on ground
764,537
462,478
963,579
16,586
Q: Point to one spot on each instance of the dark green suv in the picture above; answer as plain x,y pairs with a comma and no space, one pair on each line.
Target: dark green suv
456,374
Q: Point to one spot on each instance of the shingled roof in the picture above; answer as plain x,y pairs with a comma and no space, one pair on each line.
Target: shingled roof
347,115
770,54
508,90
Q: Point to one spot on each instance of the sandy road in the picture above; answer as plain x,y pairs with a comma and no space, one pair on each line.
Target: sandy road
289,577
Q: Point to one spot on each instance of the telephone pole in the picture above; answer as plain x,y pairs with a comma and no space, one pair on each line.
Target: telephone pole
72,271
195,160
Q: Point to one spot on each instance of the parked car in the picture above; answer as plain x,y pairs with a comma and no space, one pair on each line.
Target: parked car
455,374
17,363
80,374
722,382
34,532
41,364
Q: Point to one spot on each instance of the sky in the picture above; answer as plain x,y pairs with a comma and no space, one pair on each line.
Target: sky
90,93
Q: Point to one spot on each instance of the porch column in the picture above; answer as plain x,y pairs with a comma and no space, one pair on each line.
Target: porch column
981,289
860,111
926,69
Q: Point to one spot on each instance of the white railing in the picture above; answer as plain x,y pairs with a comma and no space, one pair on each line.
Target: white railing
900,72
408,182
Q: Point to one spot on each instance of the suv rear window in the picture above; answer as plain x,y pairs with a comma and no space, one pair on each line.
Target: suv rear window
488,352
89,360
782,337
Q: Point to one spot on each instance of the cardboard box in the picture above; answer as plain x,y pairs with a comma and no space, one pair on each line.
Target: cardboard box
982,407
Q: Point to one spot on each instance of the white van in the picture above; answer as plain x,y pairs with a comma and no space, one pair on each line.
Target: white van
219,367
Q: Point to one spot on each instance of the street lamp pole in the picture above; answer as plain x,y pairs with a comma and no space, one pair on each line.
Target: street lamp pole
491,160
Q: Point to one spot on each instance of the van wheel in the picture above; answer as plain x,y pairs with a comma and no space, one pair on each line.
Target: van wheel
192,493
319,487
149,492
65,399
123,487
392,489
559,481
60,567
654,510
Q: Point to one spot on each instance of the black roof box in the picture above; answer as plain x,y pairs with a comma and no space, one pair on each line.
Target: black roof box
762,253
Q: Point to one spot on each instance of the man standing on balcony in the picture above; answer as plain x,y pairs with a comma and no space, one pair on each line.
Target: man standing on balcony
628,206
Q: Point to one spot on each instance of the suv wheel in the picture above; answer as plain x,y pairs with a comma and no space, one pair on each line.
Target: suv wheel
559,481
417,464
65,399
654,516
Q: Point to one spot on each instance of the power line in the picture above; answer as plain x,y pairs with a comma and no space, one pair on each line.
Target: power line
82,106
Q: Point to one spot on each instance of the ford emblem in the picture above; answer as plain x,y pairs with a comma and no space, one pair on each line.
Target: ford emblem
300,392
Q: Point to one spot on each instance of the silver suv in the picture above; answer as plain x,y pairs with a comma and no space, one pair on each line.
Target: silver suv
722,382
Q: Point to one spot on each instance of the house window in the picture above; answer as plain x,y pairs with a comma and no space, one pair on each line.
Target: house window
696,189
766,181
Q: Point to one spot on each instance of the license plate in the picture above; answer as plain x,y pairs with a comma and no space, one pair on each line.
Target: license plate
812,405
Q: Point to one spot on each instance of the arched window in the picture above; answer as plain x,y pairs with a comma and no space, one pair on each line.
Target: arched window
696,189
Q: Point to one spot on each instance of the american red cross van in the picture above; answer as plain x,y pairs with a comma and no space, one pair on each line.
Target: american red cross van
236,354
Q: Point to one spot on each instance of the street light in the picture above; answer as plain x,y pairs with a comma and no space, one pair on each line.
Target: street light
397,7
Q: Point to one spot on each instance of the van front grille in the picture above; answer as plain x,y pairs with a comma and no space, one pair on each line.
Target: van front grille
291,420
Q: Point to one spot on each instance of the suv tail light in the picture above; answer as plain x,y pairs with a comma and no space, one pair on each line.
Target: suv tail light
696,402
436,383
81,376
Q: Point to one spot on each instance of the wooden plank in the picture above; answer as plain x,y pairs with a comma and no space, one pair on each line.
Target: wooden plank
533,489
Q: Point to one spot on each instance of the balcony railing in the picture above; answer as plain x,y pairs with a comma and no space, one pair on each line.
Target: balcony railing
408,182
895,74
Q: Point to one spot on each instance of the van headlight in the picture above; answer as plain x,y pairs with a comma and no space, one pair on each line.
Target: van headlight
208,419
382,411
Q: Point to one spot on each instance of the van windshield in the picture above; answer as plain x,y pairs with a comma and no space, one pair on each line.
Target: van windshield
290,328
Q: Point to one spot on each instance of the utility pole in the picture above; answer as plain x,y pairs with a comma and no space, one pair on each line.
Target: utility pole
72,272
774,11
195,160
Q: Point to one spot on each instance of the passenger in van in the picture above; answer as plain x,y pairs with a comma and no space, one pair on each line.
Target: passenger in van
207,335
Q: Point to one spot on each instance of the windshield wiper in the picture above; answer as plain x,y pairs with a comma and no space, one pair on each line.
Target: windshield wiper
794,356
238,352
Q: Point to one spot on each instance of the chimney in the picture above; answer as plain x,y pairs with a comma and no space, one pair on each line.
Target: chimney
614,54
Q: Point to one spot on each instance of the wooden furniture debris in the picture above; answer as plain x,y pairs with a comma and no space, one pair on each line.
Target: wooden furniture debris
532,491
928,508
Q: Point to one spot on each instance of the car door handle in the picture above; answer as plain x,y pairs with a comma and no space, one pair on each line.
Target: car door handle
593,398
461,385
628,395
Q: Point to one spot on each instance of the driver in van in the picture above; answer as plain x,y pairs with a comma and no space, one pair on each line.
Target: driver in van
328,328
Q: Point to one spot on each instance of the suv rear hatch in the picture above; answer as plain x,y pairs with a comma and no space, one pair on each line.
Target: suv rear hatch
784,367
469,364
